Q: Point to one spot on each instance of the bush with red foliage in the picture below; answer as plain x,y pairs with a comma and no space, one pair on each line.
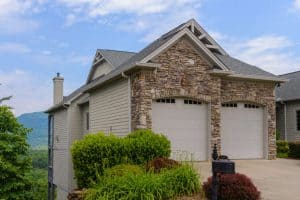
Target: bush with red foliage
233,187
157,164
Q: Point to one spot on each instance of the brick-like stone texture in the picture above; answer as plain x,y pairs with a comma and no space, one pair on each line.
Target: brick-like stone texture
184,73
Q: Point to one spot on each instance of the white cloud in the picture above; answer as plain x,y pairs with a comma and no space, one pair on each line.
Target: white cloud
13,15
270,52
30,93
15,48
149,17
296,4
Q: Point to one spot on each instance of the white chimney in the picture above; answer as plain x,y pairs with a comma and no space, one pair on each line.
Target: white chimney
58,87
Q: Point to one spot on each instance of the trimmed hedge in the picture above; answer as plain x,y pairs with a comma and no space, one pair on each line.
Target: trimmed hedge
95,152
147,186
294,151
233,187
282,148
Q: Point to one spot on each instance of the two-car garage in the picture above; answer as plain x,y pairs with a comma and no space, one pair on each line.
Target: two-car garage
186,123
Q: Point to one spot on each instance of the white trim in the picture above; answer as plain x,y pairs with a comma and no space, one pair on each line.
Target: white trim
208,37
257,77
180,34
201,36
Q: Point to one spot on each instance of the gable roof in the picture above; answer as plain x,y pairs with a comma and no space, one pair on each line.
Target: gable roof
113,57
290,90
122,61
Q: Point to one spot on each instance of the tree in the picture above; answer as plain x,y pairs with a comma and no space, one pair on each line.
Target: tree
15,162
4,98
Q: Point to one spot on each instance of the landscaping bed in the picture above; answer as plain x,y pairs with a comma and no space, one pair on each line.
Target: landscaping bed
135,167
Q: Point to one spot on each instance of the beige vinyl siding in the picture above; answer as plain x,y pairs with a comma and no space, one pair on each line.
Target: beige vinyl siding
60,129
60,152
292,133
110,108
101,69
75,133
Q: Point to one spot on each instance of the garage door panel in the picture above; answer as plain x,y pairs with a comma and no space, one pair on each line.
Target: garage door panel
242,132
185,125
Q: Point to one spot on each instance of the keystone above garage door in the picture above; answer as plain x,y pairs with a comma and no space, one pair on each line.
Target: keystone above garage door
242,131
184,122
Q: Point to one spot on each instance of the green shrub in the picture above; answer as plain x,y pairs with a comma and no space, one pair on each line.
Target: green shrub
123,169
294,149
282,148
145,145
157,164
95,152
148,186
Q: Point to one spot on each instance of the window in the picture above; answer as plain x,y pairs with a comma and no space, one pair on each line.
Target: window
87,121
190,101
229,105
298,119
247,105
165,100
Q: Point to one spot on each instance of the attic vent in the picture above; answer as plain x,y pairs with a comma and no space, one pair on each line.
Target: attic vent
98,56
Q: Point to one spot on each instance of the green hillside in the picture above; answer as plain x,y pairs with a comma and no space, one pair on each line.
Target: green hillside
38,121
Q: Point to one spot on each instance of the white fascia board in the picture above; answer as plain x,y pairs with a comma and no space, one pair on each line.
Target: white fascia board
200,29
180,34
258,77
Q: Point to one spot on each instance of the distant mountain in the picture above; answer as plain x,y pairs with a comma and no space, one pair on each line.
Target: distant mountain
38,122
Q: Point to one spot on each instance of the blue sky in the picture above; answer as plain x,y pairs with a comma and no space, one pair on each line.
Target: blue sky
41,37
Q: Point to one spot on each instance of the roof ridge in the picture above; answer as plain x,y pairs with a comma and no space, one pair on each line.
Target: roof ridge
289,73
116,50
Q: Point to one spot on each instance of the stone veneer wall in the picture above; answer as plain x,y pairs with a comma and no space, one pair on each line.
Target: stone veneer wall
183,73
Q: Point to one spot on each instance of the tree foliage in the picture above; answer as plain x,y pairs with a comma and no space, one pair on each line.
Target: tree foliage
15,162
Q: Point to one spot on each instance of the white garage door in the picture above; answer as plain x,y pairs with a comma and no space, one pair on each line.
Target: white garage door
184,122
242,128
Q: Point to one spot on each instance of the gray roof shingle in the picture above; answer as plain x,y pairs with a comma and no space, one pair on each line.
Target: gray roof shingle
116,58
291,89
241,67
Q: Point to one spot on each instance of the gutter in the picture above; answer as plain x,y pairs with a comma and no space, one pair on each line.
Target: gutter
232,74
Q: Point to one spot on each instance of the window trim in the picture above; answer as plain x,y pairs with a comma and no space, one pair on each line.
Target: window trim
298,120
87,121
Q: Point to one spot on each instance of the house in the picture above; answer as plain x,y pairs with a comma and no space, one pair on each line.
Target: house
183,85
288,107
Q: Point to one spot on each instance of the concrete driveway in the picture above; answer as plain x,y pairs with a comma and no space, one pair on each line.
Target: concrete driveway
276,179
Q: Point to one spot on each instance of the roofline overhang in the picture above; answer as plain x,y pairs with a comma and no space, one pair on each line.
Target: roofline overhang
258,77
232,74
113,76
56,107
279,100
